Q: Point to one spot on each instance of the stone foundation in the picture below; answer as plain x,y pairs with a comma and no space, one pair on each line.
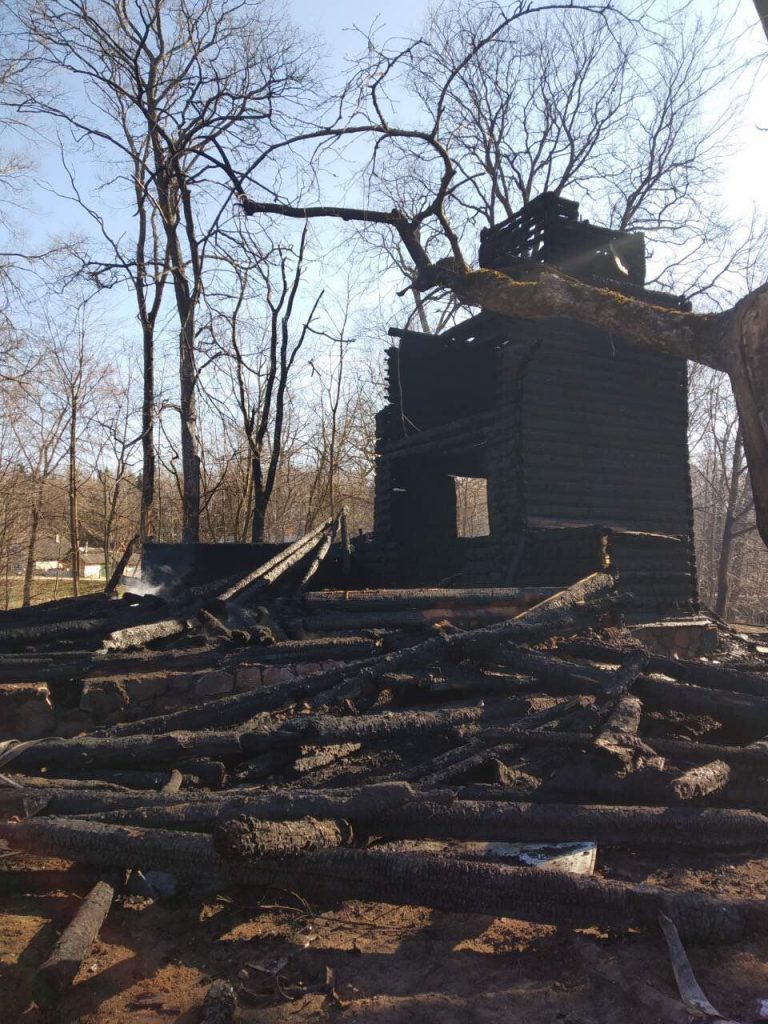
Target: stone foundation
27,710
686,638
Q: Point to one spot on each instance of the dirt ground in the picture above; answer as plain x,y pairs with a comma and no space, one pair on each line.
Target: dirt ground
358,962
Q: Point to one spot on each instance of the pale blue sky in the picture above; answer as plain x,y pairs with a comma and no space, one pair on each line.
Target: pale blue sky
743,172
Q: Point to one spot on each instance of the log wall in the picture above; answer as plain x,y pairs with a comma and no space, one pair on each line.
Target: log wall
582,440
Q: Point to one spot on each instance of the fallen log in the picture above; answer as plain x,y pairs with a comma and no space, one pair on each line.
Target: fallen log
166,748
556,676
701,781
362,802
383,600
310,759
446,760
327,730
624,719
210,774
388,618
625,677
144,633
700,673
442,883
274,567
36,668
472,762
559,675
684,750
647,787
686,827
58,972
434,816
175,780
319,557
613,775
504,685
738,711
714,677
43,633
245,837
477,753
216,626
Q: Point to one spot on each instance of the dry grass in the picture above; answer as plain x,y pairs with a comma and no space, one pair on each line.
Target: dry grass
43,589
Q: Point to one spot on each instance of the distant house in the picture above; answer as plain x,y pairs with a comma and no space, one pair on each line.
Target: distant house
50,554
93,564
53,558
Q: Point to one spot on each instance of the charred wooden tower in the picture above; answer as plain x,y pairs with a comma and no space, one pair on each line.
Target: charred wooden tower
574,441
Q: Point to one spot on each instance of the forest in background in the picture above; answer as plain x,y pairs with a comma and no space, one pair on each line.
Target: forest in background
173,368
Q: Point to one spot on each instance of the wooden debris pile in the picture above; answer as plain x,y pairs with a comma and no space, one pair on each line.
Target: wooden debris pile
403,772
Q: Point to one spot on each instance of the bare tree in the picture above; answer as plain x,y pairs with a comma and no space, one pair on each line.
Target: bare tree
37,417
723,504
734,341
160,86
115,441
262,353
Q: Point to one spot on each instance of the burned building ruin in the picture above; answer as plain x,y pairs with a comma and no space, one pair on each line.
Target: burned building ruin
574,440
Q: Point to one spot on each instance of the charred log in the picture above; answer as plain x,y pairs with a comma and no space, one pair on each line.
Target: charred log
58,972
220,1004
702,781
251,837
443,883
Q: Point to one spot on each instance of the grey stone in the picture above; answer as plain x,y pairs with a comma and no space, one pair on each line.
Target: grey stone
103,699
213,684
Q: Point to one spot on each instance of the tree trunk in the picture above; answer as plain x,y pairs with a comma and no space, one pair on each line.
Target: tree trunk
260,503
726,544
190,445
146,514
31,545
702,780
220,1004
206,809
74,531
745,348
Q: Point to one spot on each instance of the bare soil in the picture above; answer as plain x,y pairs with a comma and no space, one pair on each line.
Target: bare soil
292,961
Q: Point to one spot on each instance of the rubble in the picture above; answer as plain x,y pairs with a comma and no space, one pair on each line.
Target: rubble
388,774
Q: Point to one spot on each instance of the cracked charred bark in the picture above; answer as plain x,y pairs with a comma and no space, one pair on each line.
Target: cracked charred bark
427,880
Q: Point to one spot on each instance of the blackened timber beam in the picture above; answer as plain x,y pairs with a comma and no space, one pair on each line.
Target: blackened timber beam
274,567
571,608
428,597
442,883
58,972
331,622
